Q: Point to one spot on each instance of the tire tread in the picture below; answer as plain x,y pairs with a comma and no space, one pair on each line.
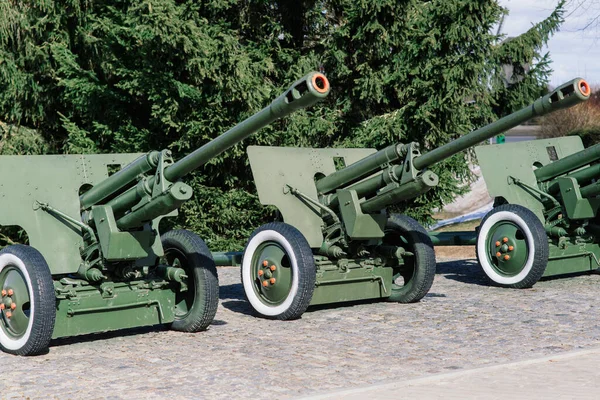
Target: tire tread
425,263
199,255
540,240
306,268
44,300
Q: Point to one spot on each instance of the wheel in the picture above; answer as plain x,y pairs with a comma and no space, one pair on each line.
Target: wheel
411,281
196,307
278,271
28,304
512,246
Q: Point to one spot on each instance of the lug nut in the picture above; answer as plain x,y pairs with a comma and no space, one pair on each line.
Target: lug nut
498,254
272,280
3,292
13,306
506,257
510,248
260,272
265,263
272,268
266,283
2,306
505,239
10,292
497,243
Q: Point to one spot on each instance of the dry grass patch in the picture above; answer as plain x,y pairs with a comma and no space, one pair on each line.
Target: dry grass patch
457,252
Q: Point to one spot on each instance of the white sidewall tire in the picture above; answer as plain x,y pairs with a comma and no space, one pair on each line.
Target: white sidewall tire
9,343
248,284
484,230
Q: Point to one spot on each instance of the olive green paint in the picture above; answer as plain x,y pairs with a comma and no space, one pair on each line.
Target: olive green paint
456,238
342,211
552,178
358,225
55,180
522,158
84,308
99,233
274,168
351,283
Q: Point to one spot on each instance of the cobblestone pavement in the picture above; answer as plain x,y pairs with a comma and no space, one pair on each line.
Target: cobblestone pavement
462,323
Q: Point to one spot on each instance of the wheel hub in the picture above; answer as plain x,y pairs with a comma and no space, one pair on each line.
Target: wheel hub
507,248
268,274
273,277
8,303
176,271
15,297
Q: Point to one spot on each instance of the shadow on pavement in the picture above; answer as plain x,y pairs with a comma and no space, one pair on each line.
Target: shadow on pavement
239,306
464,271
469,271
91,337
234,291
233,298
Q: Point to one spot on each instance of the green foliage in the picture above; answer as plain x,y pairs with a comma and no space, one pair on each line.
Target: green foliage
589,136
134,76
529,68
407,70
18,140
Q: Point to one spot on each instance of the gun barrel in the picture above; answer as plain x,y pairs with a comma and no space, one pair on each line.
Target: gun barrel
361,169
568,163
566,95
301,94
583,177
119,180
424,182
593,189
367,187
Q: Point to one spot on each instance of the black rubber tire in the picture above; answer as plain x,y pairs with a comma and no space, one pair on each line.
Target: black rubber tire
419,275
42,300
281,234
203,282
527,221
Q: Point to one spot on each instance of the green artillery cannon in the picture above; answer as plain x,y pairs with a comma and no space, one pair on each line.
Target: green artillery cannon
337,242
545,216
96,260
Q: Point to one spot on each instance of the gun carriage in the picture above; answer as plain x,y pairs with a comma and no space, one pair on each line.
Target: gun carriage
545,216
96,260
338,243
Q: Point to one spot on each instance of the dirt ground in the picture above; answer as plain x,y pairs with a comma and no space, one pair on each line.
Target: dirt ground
457,252
475,199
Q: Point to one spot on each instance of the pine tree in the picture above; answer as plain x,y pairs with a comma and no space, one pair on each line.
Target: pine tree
429,72
135,76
